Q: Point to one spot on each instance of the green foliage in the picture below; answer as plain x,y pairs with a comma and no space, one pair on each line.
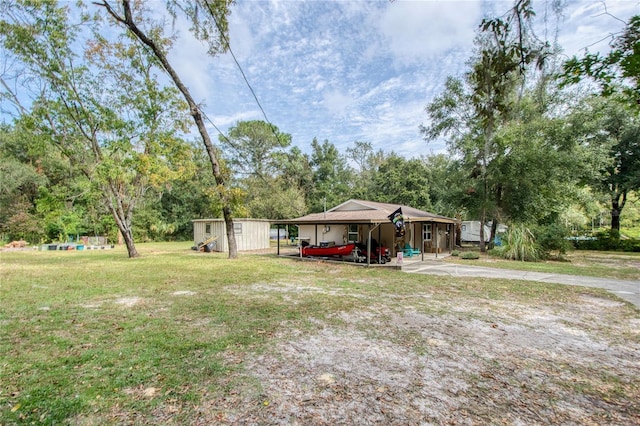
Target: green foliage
470,255
270,182
608,240
610,131
617,71
103,109
402,181
448,185
455,253
552,238
332,177
472,114
519,244
254,148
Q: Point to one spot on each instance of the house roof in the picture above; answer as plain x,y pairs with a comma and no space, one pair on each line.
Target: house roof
360,211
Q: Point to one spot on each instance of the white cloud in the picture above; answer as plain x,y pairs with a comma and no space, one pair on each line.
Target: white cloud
420,31
590,25
337,102
360,70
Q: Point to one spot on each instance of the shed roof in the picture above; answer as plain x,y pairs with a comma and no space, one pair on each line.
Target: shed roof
360,211
234,219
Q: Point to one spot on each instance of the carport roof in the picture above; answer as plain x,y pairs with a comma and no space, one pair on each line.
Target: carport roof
360,211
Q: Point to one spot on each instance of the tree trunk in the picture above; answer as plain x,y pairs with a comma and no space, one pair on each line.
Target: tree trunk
483,245
228,220
124,227
128,241
494,228
486,151
618,200
128,22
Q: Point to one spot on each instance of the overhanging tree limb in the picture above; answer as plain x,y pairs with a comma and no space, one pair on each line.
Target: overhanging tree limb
126,19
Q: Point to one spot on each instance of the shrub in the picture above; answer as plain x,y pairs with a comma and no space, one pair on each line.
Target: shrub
455,253
519,244
608,241
470,255
552,238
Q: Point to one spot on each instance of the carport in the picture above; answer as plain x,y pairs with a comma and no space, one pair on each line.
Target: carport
369,222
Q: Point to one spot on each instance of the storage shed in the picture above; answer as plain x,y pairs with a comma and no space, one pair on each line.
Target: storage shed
251,234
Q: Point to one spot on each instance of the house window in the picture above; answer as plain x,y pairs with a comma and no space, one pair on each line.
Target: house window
426,231
463,227
237,228
353,233
207,228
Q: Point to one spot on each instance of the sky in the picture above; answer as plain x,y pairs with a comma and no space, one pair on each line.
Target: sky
360,70
354,70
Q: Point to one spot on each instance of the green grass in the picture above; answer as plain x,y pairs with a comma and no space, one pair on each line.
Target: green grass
92,337
624,266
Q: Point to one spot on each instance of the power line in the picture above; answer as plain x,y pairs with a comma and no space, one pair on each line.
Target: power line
244,76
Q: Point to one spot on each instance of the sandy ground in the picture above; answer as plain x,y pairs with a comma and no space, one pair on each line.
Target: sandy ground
417,361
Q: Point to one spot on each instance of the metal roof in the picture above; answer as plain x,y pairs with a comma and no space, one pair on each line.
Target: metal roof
360,211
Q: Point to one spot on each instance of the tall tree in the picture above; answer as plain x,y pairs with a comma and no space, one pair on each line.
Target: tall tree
402,181
332,177
448,185
105,110
367,163
616,73
21,175
506,48
209,24
254,148
609,129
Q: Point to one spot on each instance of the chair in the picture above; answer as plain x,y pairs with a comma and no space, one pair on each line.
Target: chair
409,251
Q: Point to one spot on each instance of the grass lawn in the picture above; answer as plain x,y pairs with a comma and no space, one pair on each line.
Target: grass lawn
618,265
179,337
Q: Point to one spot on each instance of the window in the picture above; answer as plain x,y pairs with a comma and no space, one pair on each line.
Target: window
207,228
463,228
353,233
237,228
426,231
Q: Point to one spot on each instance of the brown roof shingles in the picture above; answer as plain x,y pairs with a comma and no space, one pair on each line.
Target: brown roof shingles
372,212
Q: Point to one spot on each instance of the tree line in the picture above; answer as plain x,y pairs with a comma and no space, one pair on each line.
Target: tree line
97,143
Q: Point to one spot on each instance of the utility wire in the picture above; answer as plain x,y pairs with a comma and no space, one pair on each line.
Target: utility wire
244,76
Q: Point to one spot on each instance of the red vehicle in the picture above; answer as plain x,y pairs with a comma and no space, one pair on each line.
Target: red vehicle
377,253
329,251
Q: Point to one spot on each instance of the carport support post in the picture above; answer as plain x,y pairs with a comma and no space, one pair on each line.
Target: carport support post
278,236
436,236
369,247
369,244
379,244
452,236
422,239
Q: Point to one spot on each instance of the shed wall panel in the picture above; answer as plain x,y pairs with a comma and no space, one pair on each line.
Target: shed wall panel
250,234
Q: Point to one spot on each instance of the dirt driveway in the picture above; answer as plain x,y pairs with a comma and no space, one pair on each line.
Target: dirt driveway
425,358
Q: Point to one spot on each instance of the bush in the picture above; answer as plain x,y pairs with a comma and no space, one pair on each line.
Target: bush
470,255
518,244
552,238
608,241
455,253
